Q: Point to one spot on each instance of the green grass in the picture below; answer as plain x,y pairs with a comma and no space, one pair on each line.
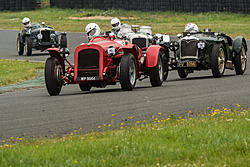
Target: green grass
14,71
161,22
219,139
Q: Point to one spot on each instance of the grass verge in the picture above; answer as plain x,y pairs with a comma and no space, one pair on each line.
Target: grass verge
221,138
161,22
15,71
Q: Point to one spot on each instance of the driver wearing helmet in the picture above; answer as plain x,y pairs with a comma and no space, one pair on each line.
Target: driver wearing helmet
26,25
117,26
191,27
120,30
92,30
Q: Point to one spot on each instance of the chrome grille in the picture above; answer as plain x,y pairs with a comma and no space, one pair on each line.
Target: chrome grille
189,48
140,42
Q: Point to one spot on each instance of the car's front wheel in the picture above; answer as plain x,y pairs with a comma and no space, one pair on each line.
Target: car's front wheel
128,72
240,61
63,41
218,60
85,86
156,74
183,73
28,46
53,71
20,47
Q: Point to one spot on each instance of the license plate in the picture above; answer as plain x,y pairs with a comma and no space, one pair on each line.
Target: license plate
187,64
89,78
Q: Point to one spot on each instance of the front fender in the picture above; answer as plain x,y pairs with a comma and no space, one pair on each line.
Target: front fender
55,52
237,43
152,55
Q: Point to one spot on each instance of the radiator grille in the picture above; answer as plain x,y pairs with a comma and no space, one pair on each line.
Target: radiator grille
46,35
188,48
88,59
140,42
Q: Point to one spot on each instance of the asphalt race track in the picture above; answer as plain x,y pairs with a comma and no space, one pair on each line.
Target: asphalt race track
32,112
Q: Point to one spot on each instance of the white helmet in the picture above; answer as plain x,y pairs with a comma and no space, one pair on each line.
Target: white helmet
92,30
191,27
115,22
26,22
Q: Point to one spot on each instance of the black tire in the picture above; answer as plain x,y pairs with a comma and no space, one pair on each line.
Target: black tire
156,74
63,41
218,60
28,46
85,86
20,47
240,61
128,72
165,66
52,76
183,73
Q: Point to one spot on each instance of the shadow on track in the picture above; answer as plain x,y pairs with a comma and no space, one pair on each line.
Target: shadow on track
201,77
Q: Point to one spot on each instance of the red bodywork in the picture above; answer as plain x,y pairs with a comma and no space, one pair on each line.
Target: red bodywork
108,64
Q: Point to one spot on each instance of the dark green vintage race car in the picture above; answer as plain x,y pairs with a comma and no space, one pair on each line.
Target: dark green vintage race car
208,50
39,37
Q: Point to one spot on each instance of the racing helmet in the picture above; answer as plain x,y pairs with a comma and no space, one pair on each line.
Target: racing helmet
92,30
115,22
191,27
26,22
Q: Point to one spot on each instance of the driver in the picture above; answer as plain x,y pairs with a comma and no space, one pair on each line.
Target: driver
92,30
119,29
26,25
191,27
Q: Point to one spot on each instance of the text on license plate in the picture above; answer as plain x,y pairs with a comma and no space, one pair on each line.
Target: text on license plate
89,78
187,64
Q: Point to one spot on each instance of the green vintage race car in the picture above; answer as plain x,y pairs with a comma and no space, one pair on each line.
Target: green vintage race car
208,50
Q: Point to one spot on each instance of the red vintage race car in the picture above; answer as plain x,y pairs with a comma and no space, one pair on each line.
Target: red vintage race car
104,61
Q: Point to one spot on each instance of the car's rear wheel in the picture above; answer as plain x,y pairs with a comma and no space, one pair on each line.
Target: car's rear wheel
183,73
53,71
128,72
85,86
20,47
28,46
63,41
240,61
218,60
156,74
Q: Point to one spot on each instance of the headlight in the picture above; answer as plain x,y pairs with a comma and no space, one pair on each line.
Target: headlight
111,51
52,36
201,45
39,36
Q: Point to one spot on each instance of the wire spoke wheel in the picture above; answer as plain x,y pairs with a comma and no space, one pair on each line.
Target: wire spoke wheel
243,58
221,60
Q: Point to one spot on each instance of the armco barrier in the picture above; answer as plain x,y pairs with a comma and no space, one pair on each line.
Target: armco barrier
237,6
15,5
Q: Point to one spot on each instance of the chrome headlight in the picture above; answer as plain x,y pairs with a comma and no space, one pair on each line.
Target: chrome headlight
201,45
39,36
52,36
111,51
